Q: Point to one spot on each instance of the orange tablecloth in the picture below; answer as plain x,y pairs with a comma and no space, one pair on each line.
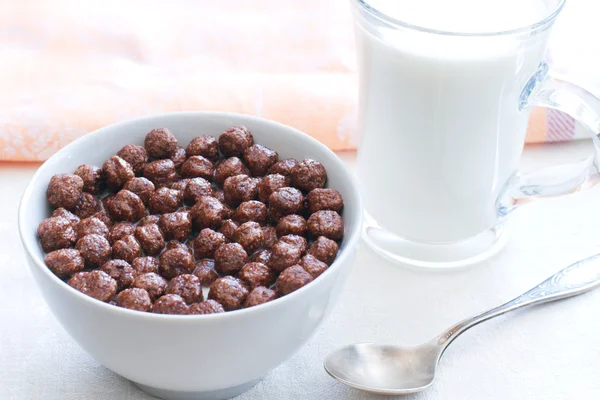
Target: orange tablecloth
69,67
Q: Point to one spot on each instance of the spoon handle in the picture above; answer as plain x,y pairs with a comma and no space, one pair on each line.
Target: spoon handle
573,280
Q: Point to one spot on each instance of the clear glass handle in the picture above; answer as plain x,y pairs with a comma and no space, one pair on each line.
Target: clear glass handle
542,90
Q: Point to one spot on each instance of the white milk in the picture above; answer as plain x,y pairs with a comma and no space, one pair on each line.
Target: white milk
442,132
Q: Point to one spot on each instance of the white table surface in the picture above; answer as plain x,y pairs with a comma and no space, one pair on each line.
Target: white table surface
548,352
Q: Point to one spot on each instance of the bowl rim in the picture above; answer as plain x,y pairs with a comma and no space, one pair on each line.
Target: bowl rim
352,236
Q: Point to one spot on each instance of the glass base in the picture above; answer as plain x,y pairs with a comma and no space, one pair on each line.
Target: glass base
434,256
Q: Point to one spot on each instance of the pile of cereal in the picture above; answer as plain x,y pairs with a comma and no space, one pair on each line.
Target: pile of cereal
155,224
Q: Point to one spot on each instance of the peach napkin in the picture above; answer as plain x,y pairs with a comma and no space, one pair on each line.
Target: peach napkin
69,67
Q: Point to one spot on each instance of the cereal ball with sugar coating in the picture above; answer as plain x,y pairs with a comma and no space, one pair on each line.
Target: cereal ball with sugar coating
309,175
134,299
56,233
230,292
96,284
205,146
117,172
234,141
160,143
135,155
64,190
93,178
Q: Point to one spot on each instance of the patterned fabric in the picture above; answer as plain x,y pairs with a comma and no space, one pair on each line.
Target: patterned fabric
69,67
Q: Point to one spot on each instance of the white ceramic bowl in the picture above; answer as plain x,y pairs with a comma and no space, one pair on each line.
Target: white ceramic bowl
188,357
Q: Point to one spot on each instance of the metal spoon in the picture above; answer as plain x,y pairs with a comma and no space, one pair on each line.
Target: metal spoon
394,370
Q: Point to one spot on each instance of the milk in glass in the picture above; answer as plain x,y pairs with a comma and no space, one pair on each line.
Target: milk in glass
441,128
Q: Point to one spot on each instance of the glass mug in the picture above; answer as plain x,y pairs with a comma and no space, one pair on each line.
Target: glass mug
443,116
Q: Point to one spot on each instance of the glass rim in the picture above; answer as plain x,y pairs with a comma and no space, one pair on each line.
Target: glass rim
546,21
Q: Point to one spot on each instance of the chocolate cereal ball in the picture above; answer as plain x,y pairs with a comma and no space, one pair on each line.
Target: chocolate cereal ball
292,224
175,244
231,166
61,212
220,195
234,141
165,200
312,265
259,159
160,143
206,307
228,228
269,184
134,299
284,255
152,283
176,261
259,295
149,219
180,185
309,175
170,304
126,206
64,190
135,155
262,256
187,286
255,274
175,226
87,205
121,271
285,201
56,233
324,249
229,291
239,188
93,178
161,172
96,284
230,258
117,171
292,279
326,223
228,212
94,249
90,225
251,211
283,167
295,240
207,242
143,265
127,248
142,187
270,236
324,199
207,213
196,188
150,238
64,262
205,146
197,166
107,199
178,157
250,236
205,271
104,217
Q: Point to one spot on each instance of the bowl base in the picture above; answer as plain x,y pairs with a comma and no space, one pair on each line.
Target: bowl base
220,394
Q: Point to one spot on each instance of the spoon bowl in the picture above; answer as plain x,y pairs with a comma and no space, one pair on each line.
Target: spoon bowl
384,369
